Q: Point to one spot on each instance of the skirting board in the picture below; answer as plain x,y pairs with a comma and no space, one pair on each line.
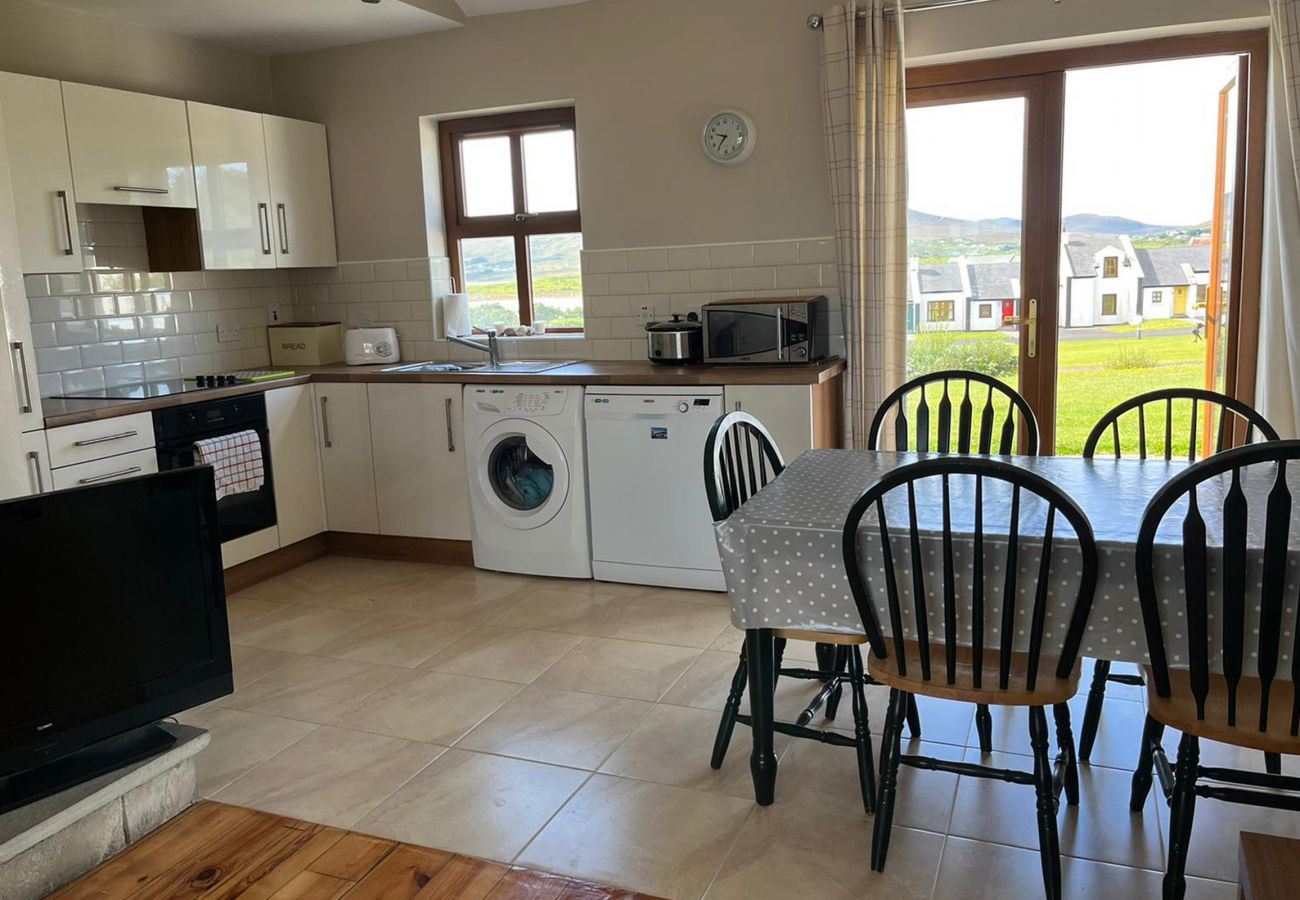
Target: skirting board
277,562
345,543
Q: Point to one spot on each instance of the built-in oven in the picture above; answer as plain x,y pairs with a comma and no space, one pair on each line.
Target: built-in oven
177,428
766,330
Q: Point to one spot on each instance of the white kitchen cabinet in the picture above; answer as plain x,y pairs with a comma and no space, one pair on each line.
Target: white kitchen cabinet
110,468
295,463
302,211
128,149
786,410
86,441
234,190
41,173
20,402
347,464
37,458
419,445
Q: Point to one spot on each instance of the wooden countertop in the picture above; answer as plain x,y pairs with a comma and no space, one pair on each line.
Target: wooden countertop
593,372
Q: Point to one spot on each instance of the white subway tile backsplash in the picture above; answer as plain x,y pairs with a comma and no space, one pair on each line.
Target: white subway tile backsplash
139,350
52,309
358,271
127,373
105,354
36,286
818,251
376,292
651,260
96,306
174,346
118,328
688,257
629,283
411,290
755,278
76,331
50,383
77,380
134,304
798,276
43,335
61,285
171,301
669,282
710,280
162,369
58,359
390,270
595,285
605,262
187,281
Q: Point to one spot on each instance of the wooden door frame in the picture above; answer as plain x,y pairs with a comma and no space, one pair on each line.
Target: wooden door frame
962,81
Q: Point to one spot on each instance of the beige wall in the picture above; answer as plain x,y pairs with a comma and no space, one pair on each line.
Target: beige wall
37,39
644,76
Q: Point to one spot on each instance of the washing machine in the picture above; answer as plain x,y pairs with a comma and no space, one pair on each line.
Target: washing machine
527,479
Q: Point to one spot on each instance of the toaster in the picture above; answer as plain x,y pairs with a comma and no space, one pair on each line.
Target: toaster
367,346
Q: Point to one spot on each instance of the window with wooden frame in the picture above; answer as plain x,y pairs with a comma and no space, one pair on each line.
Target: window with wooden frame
514,225
1110,267
942,311
1109,303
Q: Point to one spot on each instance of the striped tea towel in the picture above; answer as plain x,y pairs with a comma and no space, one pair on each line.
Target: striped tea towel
236,460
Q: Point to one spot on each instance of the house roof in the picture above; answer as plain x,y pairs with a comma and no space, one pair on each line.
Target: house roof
1163,266
1082,252
992,278
940,278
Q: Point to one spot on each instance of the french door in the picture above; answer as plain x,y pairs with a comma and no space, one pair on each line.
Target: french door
1086,225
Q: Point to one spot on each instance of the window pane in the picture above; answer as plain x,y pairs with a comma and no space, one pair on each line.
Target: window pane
557,279
489,187
550,172
490,281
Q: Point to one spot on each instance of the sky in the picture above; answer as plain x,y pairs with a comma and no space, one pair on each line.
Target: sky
1139,143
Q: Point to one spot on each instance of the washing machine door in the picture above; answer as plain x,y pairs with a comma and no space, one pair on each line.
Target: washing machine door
521,475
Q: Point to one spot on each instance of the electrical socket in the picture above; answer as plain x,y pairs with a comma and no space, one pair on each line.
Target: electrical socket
645,312
273,313
228,334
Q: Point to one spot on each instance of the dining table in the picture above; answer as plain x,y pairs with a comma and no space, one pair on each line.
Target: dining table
784,567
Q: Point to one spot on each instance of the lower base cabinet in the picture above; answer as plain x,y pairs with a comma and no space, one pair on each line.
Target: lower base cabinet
347,463
299,494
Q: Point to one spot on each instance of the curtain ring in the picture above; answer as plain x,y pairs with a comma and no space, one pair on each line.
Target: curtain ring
815,22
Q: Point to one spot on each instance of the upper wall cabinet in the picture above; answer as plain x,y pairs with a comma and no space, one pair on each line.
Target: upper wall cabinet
41,173
234,190
302,206
127,148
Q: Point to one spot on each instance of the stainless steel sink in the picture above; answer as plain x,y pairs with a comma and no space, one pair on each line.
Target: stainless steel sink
509,367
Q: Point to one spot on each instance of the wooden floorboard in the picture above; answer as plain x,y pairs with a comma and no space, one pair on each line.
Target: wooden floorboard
218,852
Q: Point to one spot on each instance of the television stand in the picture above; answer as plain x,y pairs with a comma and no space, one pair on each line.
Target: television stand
89,762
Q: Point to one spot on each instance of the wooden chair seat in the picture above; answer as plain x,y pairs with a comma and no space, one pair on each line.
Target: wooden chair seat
820,637
1047,691
1179,711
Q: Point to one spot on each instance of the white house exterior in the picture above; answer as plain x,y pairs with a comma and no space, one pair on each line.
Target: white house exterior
1105,281
968,294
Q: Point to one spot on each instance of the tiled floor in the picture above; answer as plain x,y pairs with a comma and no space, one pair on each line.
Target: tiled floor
567,726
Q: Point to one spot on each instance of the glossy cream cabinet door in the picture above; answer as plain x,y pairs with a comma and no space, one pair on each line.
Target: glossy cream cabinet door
418,440
302,207
347,464
128,149
20,400
41,173
234,193
785,410
295,463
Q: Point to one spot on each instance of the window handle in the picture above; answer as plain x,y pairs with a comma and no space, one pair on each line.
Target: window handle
1030,320
524,217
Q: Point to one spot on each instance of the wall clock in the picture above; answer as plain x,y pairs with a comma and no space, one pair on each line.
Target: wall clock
729,137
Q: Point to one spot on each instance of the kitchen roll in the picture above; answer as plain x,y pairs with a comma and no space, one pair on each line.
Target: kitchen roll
455,314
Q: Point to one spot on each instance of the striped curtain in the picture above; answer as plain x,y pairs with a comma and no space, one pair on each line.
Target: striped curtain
1277,386
864,110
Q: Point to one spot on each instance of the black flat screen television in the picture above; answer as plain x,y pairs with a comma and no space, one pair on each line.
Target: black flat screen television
114,617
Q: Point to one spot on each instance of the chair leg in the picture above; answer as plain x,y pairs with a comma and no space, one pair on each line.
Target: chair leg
760,654
984,727
862,733
729,712
779,657
839,665
1065,747
913,718
1049,850
1182,808
1273,763
889,762
1092,712
1152,732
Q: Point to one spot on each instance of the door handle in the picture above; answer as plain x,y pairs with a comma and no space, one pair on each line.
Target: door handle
284,227
325,421
87,442
132,189
451,437
92,479
1031,321
264,226
67,222
20,367
34,459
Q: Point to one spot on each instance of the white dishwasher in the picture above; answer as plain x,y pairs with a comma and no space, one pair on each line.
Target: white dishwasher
650,520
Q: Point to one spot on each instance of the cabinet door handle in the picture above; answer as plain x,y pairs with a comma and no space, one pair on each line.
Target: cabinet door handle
132,189
34,460
284,227
20,374
325,421
264,226
451,437
67,223
87,442
91,479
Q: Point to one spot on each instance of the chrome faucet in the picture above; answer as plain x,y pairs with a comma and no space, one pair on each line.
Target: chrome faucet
491,348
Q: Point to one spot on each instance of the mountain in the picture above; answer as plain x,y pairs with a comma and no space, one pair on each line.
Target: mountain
1088,223
927,225
493,259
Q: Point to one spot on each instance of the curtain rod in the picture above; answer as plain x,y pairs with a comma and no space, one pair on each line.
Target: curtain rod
815,20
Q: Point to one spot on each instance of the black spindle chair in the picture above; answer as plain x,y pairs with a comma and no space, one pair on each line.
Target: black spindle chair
740,458
1158,430
985,423
1211,692
993,669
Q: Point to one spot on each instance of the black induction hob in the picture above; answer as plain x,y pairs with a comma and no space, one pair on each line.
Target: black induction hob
150,389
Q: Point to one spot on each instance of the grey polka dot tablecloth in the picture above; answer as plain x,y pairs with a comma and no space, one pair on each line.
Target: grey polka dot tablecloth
784,567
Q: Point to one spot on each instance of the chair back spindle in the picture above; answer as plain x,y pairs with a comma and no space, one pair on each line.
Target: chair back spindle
740,458
1163,403
992,431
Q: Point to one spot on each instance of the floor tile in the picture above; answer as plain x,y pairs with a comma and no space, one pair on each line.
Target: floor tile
239,741
251,663
632,669
547,609
673,745
567,728
784,852
1101,827
452,599
312,688
660,840
396,640
298,629
667,622
308,582
242,610
1118,732
710,598
332,776
474,803
507,654
428,706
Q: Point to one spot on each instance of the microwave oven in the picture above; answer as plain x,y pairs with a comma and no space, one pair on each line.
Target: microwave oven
766,330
